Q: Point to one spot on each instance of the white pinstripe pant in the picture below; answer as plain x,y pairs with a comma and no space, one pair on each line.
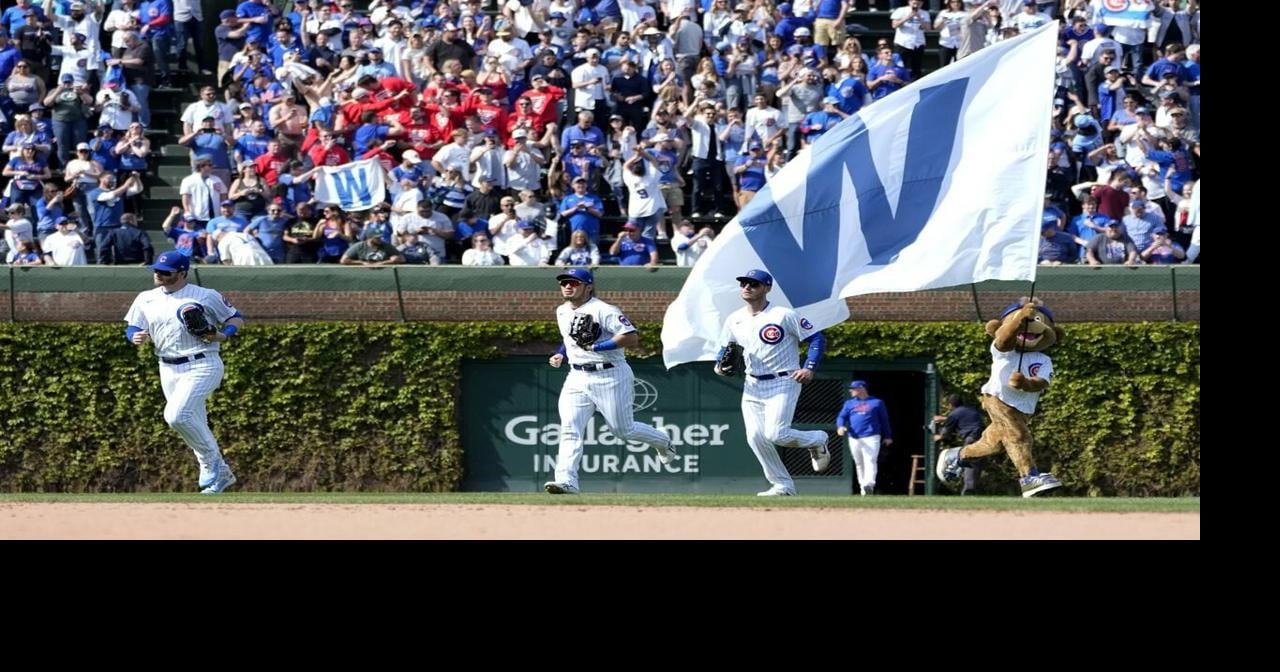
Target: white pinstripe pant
767,408
611,392
186,387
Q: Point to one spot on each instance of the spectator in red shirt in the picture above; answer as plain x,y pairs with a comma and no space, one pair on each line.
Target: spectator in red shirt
270,164
328,152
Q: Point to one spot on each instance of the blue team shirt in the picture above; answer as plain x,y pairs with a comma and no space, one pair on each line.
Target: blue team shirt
583,220
635,252
865,417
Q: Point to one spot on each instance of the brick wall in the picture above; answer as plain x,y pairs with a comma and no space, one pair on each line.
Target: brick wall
1092,306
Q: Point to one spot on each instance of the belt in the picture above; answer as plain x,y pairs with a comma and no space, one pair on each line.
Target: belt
770,376
592,367
182,360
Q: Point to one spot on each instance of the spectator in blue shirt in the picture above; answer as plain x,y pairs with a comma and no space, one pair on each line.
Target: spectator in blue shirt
583,210
633,250
884,77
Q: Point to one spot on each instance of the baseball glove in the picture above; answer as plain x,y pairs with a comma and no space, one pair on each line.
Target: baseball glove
583,330
731,362
196,322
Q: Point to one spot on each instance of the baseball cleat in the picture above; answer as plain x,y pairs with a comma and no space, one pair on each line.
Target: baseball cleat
554,488
225,480
208,474
666,453
777,491
819,456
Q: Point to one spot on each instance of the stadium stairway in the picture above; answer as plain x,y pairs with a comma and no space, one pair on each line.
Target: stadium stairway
170,162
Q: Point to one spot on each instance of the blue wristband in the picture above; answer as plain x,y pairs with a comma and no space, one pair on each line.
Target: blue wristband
602,346
562,351
230,330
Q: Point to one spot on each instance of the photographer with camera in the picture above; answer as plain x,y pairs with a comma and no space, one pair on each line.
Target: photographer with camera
108,208
81,175
207,141
116,106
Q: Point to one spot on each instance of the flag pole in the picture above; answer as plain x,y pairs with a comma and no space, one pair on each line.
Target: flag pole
1021,351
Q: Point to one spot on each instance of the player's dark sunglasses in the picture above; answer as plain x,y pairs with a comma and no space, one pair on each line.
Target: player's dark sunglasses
749,283
163,274
570,283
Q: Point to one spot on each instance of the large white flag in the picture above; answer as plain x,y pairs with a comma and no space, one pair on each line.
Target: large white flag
354,186
938,184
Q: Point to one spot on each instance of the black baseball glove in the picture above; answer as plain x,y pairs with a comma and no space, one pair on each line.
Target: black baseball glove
731,362
196,322
583,330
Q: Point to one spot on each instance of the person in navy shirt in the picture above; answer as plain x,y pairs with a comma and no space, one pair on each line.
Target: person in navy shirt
864,420
965,423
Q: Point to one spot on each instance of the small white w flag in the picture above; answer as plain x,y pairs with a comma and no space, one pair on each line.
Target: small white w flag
354,186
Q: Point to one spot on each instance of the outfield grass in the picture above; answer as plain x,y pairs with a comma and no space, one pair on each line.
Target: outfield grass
1073,504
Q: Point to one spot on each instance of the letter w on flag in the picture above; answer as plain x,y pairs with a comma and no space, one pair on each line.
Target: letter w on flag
354,186
939,184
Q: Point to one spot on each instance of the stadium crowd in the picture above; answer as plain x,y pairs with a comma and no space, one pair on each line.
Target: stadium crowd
530,132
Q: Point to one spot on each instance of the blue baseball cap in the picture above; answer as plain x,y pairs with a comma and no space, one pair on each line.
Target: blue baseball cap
857,383
172,261
1048,219
758,275
1016,305
784,8
227,14
580,274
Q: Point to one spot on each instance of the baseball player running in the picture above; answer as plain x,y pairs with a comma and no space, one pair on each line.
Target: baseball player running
594,334
865,420
175,318
769,336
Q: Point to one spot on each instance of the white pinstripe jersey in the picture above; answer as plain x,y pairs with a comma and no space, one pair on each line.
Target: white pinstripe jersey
612,322
770,339
1003,364
156,311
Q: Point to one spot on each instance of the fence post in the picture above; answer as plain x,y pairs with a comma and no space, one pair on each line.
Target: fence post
395,272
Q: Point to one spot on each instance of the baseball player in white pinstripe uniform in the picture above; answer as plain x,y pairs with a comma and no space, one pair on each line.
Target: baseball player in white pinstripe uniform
190,367
770,335
599,379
